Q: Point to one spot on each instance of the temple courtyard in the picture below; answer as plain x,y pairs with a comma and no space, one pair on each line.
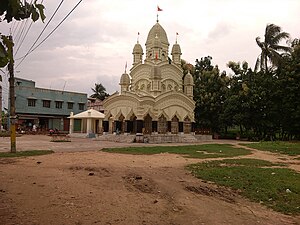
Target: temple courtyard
79,184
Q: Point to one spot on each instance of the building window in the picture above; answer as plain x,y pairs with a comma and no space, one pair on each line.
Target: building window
70,105
46,103
31,102
81,106
58,104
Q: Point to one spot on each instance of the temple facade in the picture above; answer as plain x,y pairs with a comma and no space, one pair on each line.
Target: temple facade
155,97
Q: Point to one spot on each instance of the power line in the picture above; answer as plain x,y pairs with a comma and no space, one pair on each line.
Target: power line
24,37
36,40
12,26
50,33
15,28
24,24
3,71
26,31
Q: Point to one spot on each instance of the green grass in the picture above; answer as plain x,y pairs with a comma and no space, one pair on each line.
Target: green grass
25,153
268,185
190,151
286,148
4,134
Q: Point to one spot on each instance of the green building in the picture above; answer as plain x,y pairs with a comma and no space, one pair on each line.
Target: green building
44,109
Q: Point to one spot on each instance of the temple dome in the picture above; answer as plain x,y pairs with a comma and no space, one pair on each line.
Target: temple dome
158,30
188,79
125,79
157,42
176,49
138,49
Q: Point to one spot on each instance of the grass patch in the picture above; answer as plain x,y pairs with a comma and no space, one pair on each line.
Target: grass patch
286,148
4,134
277,188
190,151
25,153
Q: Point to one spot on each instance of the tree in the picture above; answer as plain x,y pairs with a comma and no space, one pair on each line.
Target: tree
209,94
99,92
252,102
237,110
271,47
288,86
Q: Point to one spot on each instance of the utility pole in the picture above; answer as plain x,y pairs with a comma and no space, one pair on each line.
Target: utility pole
12,100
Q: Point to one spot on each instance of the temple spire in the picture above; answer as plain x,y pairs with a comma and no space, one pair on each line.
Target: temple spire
158,10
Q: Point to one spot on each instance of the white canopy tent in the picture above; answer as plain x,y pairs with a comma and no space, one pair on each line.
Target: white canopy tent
90,122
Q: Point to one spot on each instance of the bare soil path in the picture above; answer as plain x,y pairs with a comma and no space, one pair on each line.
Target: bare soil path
80,185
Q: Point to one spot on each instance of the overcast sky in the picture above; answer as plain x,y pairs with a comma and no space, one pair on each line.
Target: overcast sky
95,42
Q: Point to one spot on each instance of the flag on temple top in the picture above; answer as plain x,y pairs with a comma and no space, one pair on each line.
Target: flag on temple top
159,9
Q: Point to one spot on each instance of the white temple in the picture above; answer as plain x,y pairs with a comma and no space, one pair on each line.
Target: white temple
155,97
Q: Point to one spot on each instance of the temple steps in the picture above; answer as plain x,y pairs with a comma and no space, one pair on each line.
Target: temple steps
155,138
117,138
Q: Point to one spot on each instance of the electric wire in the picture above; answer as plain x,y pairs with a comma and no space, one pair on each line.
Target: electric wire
20,28
2,71
49,33
17,39
36,40
24,37
12,26
23,25
15,28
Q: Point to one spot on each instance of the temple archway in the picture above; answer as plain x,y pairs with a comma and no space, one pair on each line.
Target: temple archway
120,124
132,125
174,125
147,124
187,125
162,125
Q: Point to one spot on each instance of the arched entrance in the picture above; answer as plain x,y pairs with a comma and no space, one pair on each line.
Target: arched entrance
162,125
120,128
174,125
187,125
132,125
147,124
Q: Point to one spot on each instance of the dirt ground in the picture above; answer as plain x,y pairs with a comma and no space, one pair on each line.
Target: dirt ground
80,185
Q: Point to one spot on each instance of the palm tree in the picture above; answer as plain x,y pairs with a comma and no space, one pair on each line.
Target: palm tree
99,92
270,47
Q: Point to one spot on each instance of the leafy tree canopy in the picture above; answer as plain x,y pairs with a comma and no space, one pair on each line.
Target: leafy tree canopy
99,92
20,10
271,47
263,104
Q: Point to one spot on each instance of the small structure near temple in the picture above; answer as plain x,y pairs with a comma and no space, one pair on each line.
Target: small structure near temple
86,124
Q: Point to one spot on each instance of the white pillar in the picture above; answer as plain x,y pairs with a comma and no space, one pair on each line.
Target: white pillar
110,129
71,128
89,125
101,126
